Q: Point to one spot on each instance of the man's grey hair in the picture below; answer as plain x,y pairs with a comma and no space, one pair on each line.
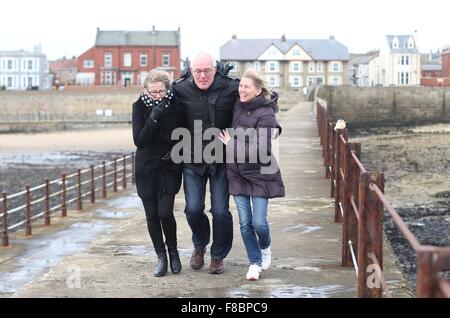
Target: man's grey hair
201,54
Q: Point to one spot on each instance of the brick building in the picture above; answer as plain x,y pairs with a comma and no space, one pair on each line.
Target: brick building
64,71
124,58
437,74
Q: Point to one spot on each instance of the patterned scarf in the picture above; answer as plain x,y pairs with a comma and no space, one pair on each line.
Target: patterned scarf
150,102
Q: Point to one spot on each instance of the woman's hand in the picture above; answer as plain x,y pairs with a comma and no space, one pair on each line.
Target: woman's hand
224,137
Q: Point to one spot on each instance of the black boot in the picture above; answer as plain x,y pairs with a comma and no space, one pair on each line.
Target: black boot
161,267
175,263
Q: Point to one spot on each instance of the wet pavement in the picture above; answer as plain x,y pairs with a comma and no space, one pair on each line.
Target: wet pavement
105,251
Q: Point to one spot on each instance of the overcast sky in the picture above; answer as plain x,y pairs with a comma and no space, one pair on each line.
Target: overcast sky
68,28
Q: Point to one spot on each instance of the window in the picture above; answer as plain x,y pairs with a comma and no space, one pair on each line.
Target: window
143,59
10,65
395,43
296,81
296,67
30,64
88,64
273,80
166,60
272,51
311,67
406,60
319,67
30,81
410,43
127,60
334,80
296,52
335,67
257,65
235,67
108,59
272,66
9,82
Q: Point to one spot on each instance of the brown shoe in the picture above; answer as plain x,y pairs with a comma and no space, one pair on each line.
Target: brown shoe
216,266
198,258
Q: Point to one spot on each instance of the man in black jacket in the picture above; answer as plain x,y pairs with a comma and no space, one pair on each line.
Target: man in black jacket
206,96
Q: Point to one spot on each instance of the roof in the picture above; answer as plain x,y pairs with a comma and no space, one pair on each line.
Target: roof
363,59
251,49
62,64
137,38
403,44
431,67
20,53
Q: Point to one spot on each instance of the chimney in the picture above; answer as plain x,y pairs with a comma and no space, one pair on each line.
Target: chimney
234,37
153,29
283,38
332,37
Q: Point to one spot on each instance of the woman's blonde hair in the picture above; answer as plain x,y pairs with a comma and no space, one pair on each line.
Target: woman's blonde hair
258,80
156,76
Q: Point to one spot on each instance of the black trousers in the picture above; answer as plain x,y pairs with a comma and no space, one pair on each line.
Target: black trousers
160,219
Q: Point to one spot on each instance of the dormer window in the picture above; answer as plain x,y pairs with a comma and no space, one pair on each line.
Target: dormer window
395,43
410,43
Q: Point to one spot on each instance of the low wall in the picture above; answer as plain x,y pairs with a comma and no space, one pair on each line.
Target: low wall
42,126
387,106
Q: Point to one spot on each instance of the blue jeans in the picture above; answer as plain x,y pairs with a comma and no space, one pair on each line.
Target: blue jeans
222,221
254,226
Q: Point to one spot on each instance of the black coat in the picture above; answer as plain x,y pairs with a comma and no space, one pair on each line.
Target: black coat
154,175
248,178
213,107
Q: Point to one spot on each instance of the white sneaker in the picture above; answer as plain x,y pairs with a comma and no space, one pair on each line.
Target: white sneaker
253,272
266,258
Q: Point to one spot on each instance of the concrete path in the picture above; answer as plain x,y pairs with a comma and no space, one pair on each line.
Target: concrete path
104,251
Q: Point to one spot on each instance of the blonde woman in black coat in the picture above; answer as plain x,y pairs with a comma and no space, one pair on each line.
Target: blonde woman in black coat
158,179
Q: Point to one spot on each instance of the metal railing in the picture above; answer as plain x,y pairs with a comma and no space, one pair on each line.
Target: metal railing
52,197
359,206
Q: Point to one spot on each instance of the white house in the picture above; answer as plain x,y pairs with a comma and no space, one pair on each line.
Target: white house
398,63
289,63
21,70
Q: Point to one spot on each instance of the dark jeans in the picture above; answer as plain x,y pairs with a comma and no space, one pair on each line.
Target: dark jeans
222,220
160,219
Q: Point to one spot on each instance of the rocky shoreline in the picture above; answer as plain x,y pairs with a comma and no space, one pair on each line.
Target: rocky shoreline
416,165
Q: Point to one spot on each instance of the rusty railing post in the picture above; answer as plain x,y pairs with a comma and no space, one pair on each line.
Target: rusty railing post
339,163
350,221
104,180
27,210
133,177
92,184
63,196
115,176
329,139
370,236
47,203
333,161
426,274
5,235
124,179
79,198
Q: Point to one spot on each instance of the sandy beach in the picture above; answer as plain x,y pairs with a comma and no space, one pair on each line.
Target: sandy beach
101,140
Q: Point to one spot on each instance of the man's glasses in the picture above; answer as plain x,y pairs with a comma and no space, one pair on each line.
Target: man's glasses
206,71
161,93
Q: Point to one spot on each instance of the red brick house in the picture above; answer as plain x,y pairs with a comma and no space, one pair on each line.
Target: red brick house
64,70
123,58
437,74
